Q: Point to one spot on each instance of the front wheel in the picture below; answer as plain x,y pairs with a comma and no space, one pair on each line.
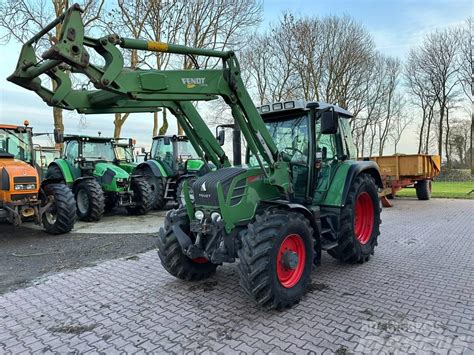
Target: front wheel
61,216
142,197
360,222
171,255
90,200
276,258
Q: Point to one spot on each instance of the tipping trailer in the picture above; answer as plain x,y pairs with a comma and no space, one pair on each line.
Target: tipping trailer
411,170
301,190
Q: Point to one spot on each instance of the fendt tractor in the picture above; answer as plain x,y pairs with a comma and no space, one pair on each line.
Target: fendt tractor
300,192
87,166
171,162
22,194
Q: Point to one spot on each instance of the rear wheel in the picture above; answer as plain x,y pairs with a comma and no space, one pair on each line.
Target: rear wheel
423,189
142,197
171,255
61,216
276,258
90,200
360,221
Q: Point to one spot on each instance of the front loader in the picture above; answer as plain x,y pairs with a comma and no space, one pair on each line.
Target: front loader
301,190
23,194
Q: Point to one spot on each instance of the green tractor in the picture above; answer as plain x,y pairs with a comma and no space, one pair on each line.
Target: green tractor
124,158
87,166
171,162
300,192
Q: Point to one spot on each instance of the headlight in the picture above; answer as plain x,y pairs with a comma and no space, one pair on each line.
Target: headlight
215,216
25,186
199,215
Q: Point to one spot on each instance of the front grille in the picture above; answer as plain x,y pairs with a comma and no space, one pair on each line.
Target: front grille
19,197
205,188
122,184
24,179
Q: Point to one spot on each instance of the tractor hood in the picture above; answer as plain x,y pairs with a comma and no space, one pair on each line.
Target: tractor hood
128,167
15,172
108,168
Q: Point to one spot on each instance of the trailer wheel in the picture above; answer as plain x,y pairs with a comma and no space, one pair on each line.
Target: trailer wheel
142,197
276,258
423,189
171,254
360,222
61,216
90,200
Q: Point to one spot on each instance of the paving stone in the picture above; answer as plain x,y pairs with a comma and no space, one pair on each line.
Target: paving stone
414,295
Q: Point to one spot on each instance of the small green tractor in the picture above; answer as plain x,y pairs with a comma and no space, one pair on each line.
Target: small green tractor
300,191
88,167
171,162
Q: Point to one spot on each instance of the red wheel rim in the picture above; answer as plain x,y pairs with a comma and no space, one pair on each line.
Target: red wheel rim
201,260
293,246
364,217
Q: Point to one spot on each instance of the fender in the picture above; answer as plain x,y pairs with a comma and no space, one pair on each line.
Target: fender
368,167
64,167
154,166
314,217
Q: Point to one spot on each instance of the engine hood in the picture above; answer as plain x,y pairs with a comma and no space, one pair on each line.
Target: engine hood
102,168
17,168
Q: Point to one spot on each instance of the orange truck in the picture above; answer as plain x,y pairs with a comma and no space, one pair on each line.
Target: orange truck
400,171
22,195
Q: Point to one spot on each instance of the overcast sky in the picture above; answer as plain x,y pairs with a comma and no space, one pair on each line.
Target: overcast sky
396,26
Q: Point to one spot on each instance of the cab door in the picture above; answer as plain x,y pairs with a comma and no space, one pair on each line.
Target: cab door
71,155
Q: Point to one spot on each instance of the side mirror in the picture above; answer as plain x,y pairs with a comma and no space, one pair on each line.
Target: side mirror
221,137
58,136
146,156
329,120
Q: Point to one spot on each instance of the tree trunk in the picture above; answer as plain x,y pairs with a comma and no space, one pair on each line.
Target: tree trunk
155,123
118,123
164,126
446,143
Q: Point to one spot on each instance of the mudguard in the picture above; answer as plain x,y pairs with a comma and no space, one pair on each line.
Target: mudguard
368,167
155,167
65,170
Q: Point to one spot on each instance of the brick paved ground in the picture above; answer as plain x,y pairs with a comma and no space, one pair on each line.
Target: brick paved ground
415,295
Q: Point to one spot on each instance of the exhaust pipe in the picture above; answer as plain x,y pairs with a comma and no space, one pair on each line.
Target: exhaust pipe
27,212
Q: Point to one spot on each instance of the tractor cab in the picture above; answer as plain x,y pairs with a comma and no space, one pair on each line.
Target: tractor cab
314,138
16,143
45,156
176,154
124,158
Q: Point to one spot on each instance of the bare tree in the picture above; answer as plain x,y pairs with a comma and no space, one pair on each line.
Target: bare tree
400,123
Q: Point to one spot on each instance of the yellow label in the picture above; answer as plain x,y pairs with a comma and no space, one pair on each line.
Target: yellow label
157,46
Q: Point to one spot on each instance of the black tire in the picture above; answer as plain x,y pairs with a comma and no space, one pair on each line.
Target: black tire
60,218
260,262
142,197
350,248
92,192
171,255
179,191
54,173
110,201
423,189
157,186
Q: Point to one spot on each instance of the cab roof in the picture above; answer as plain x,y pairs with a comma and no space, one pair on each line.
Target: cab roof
172,137
298,105
75,137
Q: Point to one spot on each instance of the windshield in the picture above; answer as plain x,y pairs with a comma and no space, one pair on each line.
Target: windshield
98,151
16,143
186,150
291,138
45,157
161,151
124,153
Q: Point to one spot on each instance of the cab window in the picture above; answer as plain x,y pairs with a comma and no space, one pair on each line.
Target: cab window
325,142
72,151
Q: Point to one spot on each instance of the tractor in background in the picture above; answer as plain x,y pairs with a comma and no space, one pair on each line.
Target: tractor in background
45,156
172,161
124,157
23,194
87,167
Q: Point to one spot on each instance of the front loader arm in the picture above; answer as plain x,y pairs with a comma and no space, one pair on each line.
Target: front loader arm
118,89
